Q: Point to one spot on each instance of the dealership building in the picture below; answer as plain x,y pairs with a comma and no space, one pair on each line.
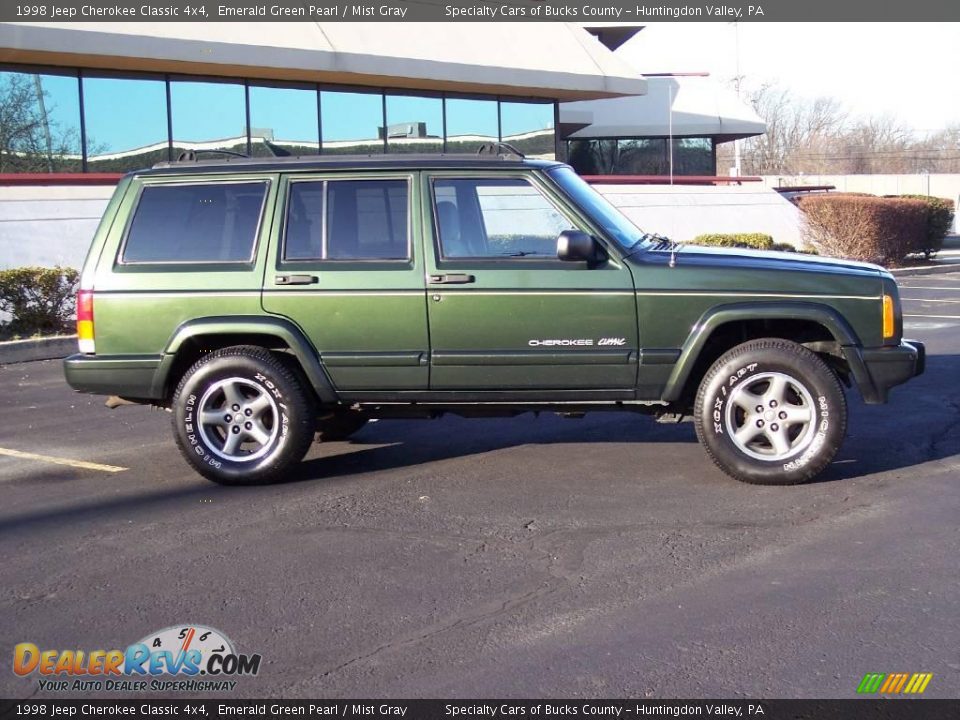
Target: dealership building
82,102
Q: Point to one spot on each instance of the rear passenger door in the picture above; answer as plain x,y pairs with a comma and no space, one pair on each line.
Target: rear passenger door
344,270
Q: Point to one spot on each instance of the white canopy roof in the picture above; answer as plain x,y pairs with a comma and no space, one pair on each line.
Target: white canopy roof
549,60
689,105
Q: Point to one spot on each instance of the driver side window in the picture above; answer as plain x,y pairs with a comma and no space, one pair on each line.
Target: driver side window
487,218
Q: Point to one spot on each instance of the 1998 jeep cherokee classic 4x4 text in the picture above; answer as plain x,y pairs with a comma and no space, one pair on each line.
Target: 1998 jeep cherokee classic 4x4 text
266,301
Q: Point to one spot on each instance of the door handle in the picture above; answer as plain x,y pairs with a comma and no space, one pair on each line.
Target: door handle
452,279
296,279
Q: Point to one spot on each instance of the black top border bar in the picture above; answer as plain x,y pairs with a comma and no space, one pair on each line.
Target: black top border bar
583,11
461,709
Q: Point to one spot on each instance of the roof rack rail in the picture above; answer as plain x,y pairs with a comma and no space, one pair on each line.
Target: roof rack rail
497,148
191,155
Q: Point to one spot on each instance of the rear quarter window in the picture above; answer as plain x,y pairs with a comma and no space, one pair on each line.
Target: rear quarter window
195,223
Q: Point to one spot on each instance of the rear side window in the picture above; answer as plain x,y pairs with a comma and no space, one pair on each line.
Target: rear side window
209,222
348,220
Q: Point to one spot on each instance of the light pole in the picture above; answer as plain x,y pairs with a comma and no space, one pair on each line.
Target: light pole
736,84
670,127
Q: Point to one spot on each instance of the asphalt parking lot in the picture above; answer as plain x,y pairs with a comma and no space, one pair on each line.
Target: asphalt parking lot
603,557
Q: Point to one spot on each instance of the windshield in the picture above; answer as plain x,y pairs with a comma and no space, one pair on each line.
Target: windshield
615,223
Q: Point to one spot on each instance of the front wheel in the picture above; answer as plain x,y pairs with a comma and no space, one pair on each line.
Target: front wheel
242,416
770,412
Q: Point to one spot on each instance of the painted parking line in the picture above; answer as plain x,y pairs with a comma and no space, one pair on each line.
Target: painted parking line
941,317
956,288
930,300
82,464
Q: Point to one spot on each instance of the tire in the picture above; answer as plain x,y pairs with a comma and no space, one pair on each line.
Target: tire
273,425
802,418
340,426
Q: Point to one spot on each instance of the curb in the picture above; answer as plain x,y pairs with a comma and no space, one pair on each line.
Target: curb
926,270
51,348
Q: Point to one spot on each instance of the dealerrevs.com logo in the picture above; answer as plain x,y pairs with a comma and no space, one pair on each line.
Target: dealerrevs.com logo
189,658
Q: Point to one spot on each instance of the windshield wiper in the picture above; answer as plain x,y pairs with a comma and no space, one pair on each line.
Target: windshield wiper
519,253
664,243
661,242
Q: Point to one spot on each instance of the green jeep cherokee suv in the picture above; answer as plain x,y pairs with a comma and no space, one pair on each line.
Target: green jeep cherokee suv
268,302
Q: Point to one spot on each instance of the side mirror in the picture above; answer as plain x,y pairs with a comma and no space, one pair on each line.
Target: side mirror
577,246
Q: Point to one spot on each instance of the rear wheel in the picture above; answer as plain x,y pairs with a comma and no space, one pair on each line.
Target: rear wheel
770,412
241,416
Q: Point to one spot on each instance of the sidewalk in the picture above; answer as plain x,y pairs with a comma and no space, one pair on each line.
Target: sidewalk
947,260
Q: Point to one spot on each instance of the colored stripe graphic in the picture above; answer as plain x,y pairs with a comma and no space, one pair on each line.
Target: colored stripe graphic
889,683
894,683
918,683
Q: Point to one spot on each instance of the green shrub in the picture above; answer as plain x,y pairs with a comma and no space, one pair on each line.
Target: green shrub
757,241
38,300
939,222
872,229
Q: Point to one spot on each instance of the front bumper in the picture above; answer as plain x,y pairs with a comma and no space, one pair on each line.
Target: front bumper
876,370
129,376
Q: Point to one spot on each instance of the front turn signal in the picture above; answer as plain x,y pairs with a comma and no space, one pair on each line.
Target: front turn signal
889,324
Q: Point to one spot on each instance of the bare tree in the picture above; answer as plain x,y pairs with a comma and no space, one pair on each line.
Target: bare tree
818,137
30,140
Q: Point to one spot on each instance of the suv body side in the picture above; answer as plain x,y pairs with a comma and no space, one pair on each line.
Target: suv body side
375,331
269,304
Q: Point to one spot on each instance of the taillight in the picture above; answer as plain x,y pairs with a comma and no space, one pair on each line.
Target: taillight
85,321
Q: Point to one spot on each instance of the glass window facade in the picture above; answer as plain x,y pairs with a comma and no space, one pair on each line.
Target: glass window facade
39,123
694,156
126,123
470,123
414,124
351,122
98,121
642,156
283,121
208,116
529,128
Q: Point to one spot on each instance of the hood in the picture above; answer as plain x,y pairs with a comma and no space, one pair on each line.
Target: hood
719,257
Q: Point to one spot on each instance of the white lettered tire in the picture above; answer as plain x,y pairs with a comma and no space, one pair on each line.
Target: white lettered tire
241,416
770,412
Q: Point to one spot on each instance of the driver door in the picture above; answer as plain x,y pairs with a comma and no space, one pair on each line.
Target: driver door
504,313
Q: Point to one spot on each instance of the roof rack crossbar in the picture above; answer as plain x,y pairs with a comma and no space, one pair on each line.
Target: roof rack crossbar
498,148
191,155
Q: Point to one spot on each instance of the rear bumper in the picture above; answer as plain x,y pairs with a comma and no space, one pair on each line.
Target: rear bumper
876,370
133,376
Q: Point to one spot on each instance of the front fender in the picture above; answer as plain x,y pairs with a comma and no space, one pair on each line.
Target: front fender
821,314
